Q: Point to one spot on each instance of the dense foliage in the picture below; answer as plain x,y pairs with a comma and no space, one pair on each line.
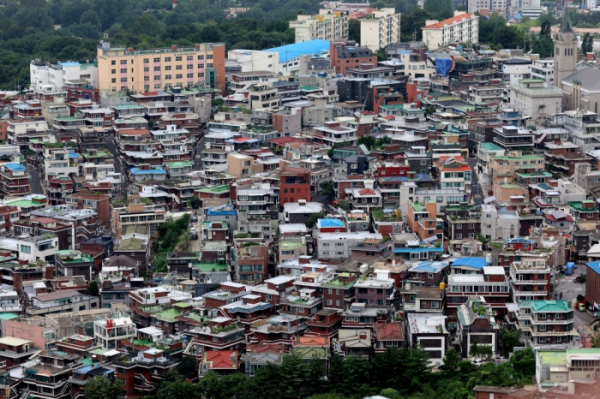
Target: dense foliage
397,373
169,235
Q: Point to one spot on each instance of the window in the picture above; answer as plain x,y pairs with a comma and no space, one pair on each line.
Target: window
190,58
179,67
201,75
114,80
167,68
190,67
429,275
168,77
190,75
113,62
157,59
123,62
178,58
123,80
157,68
113,71
167,59
200,57
123,70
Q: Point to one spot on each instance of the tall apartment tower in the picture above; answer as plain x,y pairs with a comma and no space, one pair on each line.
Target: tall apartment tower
565,51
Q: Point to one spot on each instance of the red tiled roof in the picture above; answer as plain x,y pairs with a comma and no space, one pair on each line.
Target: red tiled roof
43,220
241,139
221,360
448,22
312,341
551,218
285,140
151,93
367,191
389,117
264,348
134,132
390,331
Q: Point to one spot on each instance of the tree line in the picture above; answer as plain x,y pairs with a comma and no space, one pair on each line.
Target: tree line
395,373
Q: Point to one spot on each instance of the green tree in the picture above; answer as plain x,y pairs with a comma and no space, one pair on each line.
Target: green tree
211,33
310,223
587,45
481,352
93,288
90,17
102,388
545,28
368,141
187,367
327,190
195,202
451,359
508,339
175,389
354,30
412,24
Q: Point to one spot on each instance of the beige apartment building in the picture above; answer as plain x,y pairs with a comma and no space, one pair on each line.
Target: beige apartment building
240,165
142,71
461,28
379,29
328,25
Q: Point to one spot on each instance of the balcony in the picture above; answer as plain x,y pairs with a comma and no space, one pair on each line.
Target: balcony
18,354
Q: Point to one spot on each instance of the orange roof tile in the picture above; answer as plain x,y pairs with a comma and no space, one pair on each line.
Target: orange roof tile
448,22
312,341
221,360
390,331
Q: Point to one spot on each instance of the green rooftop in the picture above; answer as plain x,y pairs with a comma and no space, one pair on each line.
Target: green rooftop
179,165
490,147
510,185
287,245
24,203
99,351
128,106
142,342
132,244
67,119
181,305
521,158
209,267
561,356
548,306
98,154
169,314
215,189
535,174
337,283
309,88
8,316
209,225
578,206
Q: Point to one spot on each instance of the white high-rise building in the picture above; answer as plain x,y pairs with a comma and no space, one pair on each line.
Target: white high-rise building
328,25
462,28
380,29
43,74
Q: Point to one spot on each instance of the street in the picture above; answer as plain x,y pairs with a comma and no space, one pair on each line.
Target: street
110,145
36,185
196,245
570,289
475,187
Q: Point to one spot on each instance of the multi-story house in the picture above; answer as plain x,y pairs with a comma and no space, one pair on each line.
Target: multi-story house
294,184
221,333
14,179
380,28
429,331
337,246
491,284
60,302
585,210
280,329
530,278
16,351
476,324
108,332
454,172
461,222
49,377
251,261
375,292
142,373
422,219
545,322
334,133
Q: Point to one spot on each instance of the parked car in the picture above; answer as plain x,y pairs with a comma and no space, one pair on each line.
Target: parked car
194,219
192,229
194,236
581,307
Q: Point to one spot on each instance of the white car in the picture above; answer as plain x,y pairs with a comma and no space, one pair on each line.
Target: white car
192,229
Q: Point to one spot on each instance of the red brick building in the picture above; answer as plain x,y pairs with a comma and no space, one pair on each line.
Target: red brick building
347,55
95,201
294,185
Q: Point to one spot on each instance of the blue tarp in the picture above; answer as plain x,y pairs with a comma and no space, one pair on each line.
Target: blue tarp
442,66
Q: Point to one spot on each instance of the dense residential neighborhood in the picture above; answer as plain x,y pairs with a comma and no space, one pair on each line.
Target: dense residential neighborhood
352,215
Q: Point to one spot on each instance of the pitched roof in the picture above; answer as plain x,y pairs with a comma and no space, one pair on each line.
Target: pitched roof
589,78
448,22
221,360
390,331
367,191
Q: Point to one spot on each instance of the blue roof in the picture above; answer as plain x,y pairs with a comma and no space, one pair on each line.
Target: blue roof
519,240
475,263
330,223
69,64
138,171
595,266
429,267
295,50
73,155
219,212
15,167
409,250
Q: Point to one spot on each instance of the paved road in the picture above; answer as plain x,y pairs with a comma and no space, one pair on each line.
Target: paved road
476,191
36,184
570,289
110,145
196,245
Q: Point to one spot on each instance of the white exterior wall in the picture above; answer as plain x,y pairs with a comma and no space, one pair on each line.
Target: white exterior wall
380,31
461,31
517,72
251,60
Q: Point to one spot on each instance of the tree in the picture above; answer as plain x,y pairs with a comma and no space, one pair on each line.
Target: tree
175,389
481,352
354,30
545,29
310,223
451,360
93,288
587,44
187,367
580,298
430,110
328,191
368,141
508,339
344,205
211,33
102,388
90,17
195,203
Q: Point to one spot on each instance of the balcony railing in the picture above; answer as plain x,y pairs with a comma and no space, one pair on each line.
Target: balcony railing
18,354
